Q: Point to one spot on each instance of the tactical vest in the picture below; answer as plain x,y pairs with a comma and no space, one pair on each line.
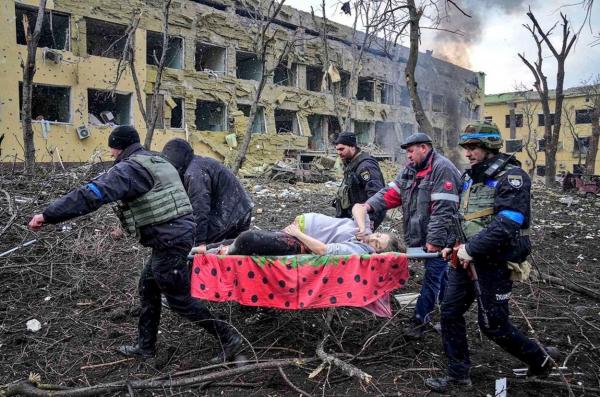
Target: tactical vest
165,201
477,203
350,191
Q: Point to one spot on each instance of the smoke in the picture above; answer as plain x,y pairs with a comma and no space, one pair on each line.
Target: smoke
458,33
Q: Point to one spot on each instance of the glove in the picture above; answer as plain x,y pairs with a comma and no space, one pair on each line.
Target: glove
463,254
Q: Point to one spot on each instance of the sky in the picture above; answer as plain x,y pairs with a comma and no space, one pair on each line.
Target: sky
494,35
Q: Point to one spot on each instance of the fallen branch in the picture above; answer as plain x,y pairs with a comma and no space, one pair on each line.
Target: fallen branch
35,389
106,364
290,384
569,285
349,369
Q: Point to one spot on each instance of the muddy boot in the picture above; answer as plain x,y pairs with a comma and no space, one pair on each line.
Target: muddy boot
231,343
414,330
547,365
445,384
136,351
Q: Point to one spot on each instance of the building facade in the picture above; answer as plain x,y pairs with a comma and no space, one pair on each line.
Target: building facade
209,83
520,117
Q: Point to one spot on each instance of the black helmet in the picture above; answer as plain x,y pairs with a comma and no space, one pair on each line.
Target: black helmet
416,138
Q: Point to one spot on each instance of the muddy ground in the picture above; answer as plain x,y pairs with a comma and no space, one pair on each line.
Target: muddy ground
81,285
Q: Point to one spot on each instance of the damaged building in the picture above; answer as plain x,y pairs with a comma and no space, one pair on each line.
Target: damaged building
209,83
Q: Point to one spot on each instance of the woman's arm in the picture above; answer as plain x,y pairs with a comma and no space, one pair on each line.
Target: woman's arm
314,245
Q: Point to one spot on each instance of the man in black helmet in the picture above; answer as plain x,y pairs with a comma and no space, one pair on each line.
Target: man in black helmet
154,207
221,207
427,190
362,179
495,217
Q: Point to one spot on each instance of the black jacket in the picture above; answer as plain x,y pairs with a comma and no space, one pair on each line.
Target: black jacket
125,181
502,240
364,177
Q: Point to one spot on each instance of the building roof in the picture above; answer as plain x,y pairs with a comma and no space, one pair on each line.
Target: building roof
519,96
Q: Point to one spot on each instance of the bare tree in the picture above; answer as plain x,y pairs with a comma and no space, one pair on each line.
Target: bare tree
551,132
263,43
29,69
127,60
529,109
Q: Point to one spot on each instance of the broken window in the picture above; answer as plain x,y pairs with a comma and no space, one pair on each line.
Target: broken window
317,139
407,130
104,108
541,119
387,94
518,120
385,135
177,113
282,75
362,130
258,126
581,144
211,116
248,66
161,111
475,112
154,48
314,78
488,119
333,128
541,145
583,116
211,58
55,27
514,145
48,102
540,170
365,89
438,103
105,39
437,134
286,121
403,96
579,169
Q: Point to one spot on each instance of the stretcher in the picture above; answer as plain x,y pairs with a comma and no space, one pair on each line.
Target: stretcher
297,282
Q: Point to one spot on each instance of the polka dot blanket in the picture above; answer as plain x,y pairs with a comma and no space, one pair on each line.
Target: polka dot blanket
300,281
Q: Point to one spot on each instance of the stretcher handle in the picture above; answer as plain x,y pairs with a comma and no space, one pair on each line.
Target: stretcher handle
411,253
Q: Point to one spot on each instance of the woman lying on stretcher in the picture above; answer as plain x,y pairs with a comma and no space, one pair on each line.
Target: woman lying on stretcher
311,233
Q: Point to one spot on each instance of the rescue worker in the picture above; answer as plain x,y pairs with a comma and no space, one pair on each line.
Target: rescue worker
427,190
156,209
221,207
362,179
495,213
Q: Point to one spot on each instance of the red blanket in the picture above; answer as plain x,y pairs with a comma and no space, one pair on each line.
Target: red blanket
298,282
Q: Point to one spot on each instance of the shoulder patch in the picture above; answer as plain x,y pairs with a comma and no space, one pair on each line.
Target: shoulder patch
365,175
515,181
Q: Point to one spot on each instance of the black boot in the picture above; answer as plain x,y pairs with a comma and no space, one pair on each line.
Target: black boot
414,330
547,365
446,383
228,349
136,351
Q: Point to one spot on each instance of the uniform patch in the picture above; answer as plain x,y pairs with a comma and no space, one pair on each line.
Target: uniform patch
515,181
365,175
448,185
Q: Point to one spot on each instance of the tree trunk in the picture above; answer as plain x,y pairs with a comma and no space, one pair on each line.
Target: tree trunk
590,160
152,113
241,155
27,89
411,65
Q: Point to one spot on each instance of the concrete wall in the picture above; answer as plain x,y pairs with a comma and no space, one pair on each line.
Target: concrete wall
196,22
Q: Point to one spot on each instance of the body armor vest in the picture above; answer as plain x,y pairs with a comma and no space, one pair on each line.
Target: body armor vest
350,192
165,201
